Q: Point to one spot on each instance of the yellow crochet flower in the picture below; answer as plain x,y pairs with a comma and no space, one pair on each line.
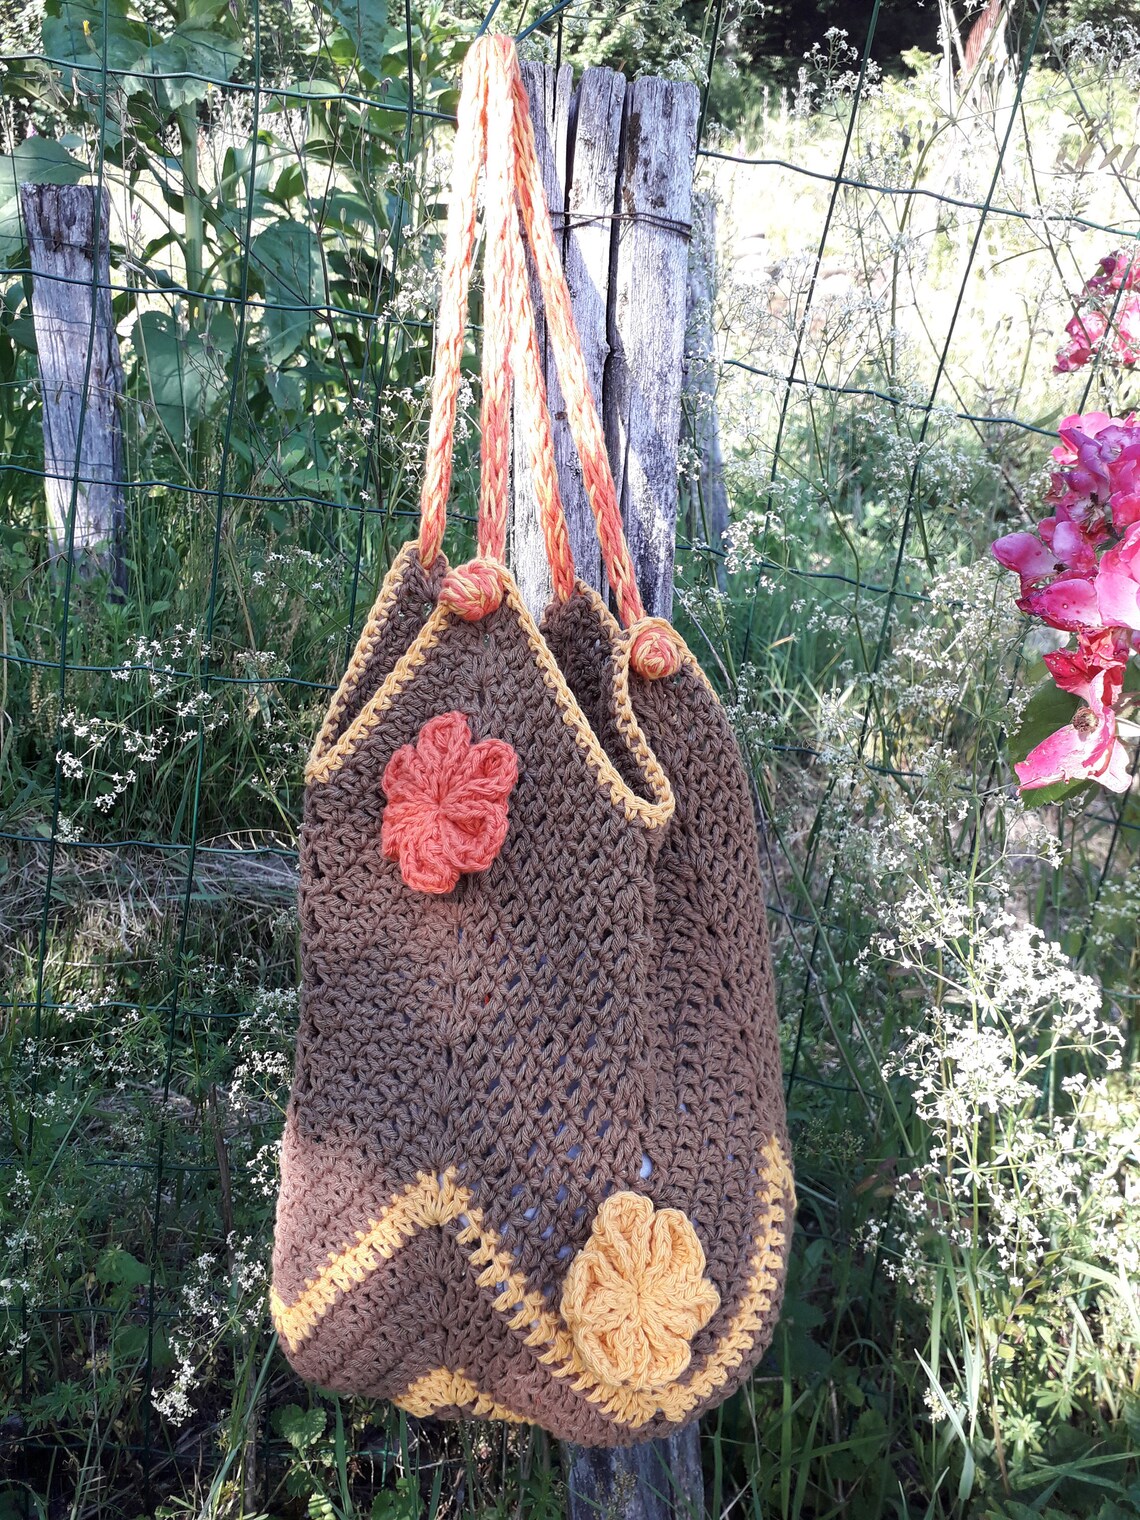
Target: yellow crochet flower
636,1294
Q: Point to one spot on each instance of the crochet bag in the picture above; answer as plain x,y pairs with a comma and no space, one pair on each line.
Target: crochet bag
535,1164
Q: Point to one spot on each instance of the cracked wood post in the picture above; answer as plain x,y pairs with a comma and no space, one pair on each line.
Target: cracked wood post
706,517
611,147
83,447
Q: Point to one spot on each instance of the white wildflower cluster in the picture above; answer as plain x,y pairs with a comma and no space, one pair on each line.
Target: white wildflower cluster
830,74
222,1301
164,662
1010,1174
1111,51
752,712
276,566
263,1171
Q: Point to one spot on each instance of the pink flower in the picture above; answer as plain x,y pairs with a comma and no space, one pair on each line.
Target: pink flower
1025,554
447,803
1085,332
1124,486
1095,669
1069,602
1088,423
1087,328
1116,270
1071,541
1118,581
1087,444
1086,748
1055,575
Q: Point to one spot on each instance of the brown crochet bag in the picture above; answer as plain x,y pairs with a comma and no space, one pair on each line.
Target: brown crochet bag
535,1164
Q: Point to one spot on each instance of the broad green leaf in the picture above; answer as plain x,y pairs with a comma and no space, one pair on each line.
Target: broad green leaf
36,161
91,34
182,375
300,1427
286,260
179,71
366,22
119,1266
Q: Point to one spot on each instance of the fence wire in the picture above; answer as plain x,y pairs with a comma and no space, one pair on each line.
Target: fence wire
228,810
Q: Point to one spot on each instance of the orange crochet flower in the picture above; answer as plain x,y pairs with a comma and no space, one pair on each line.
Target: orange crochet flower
636,1294
447,803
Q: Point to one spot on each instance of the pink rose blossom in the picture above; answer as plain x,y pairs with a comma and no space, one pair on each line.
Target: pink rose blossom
1069,602
1108,309
1116,270
1086,748
1095,669
1118,581
1073,544
1089,423
1085,331
1025,554
1085,450
1080,571
1124,486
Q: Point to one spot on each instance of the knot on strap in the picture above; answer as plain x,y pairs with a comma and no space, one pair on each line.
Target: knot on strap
473,590
654,651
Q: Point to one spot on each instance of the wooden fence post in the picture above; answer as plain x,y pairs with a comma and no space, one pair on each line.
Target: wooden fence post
706,519
68,270
618,167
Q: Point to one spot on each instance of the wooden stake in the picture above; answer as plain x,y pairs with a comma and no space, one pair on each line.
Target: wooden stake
707,515
618,167
83,450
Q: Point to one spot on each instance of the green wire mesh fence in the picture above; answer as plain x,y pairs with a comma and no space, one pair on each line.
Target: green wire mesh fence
274,186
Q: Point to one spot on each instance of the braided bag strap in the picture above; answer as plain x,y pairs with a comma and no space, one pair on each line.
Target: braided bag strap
655,650
494,129
484,140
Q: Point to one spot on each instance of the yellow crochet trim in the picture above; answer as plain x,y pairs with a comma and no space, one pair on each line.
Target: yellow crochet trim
363,652
329,756
441,1200
427,1201
442,1389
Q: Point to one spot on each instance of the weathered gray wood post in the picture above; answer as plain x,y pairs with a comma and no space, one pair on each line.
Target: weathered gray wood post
707,514
618,164
83,449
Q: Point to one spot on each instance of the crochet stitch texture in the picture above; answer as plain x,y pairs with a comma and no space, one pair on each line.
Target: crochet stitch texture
535,1163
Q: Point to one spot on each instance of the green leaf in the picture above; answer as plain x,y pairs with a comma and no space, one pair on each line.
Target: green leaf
91,34
404,1504
287,258
36,161
366,22
180,70
131,1342
120,1267
39,161
300,1427
182,375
